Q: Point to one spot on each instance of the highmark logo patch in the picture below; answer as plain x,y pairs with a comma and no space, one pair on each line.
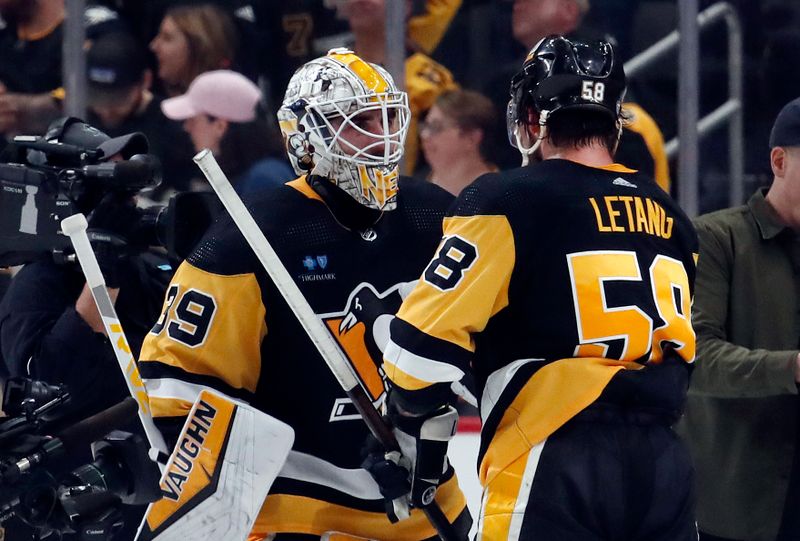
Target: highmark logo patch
316,269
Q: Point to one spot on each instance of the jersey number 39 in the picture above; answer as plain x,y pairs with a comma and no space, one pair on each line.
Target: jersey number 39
191,318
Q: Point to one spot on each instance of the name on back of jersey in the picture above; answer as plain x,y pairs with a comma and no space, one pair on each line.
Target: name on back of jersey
631,214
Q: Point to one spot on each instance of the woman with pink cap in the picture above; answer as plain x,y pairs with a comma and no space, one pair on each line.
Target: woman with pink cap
221,111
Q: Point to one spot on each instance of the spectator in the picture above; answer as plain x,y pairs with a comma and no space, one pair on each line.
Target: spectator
425,78
300,30
192,40
120,101
30,60
220,111
250,19
741,419
458,139
278,36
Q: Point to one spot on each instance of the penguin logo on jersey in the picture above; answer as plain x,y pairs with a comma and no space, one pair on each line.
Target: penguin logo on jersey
362,331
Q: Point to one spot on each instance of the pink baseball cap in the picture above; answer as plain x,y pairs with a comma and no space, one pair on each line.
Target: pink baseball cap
222,94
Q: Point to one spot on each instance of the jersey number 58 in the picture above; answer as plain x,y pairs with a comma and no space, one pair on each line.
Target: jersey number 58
599,324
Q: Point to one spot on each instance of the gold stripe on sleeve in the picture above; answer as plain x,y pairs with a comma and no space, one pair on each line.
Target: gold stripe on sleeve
454,314
229,346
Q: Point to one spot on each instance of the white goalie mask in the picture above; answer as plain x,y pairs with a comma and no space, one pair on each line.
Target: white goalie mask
343,118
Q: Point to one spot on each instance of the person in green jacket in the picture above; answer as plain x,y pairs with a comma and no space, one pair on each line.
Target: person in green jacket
741,420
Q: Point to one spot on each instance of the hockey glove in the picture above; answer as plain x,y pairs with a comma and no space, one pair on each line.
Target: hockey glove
391,471
410,478
424,441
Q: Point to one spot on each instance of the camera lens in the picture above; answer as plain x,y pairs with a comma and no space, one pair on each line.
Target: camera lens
20,392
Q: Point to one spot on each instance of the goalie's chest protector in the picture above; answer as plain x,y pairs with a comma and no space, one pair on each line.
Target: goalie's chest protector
354,281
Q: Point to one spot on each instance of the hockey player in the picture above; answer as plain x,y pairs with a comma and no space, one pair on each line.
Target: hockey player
566,288
353,236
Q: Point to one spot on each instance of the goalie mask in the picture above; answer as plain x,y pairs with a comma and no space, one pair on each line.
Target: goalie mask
344,119
561,74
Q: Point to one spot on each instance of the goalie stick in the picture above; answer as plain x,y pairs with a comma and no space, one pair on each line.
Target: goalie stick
319,336
241,447
75,228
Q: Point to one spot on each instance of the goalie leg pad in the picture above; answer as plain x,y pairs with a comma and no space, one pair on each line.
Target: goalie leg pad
227,457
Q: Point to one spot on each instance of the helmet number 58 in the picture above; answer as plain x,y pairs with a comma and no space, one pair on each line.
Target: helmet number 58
593,91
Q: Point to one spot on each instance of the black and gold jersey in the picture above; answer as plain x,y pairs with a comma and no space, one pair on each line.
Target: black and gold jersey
300,30
549,280
225,326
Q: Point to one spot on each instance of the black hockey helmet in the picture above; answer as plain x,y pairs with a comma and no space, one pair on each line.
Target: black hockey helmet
560,74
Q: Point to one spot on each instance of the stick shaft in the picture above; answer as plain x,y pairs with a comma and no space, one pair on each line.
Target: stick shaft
321,338
319,335
75,227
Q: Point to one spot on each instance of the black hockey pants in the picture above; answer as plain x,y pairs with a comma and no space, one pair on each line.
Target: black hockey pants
607,475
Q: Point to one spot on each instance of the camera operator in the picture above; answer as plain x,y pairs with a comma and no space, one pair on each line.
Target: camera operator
50,328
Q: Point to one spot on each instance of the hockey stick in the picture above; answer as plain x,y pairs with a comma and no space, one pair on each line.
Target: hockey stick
219,435
321,338
75,228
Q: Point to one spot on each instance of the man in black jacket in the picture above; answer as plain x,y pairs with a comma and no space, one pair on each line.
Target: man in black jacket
50,328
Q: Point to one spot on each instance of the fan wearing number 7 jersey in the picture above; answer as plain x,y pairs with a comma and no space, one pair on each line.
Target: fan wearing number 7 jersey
565,287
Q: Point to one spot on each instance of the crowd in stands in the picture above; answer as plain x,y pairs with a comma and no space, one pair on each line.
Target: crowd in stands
148,51
141,53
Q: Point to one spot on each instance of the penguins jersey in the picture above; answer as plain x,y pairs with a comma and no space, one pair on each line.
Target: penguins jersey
549,280
225,326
